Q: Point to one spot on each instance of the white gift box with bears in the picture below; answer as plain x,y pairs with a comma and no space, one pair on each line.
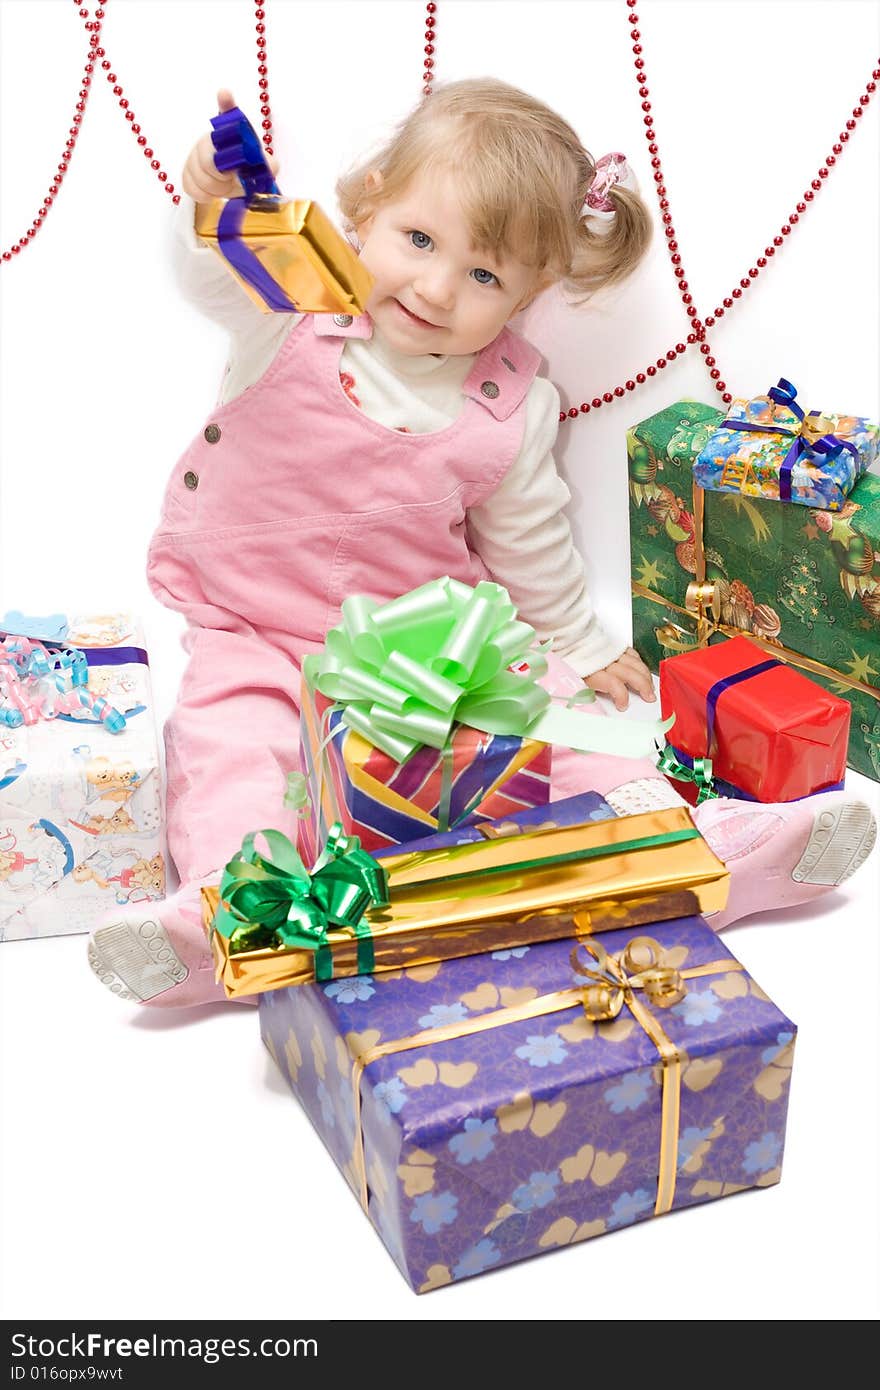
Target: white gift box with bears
81,828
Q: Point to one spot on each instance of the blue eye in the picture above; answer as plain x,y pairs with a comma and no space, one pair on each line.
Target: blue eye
420,240
478,276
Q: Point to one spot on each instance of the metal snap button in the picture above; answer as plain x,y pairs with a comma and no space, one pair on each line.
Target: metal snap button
191,480
342,320
490,389
212,433
508,364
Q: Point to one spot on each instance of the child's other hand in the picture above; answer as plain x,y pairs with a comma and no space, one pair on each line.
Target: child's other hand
202,179
627,673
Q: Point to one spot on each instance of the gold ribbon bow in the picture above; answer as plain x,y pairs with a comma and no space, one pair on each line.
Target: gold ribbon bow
703,600
604,999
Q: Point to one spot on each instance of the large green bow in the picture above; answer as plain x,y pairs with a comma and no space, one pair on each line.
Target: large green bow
272,900
700,774
407,670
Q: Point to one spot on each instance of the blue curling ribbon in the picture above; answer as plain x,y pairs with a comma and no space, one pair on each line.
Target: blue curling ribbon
829,445
237,149
75,662
112,720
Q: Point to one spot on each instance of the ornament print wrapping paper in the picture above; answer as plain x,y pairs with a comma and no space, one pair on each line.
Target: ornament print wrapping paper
474,1151
495,893
803,583
80,808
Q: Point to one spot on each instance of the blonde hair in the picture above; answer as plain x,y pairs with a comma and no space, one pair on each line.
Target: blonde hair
522,175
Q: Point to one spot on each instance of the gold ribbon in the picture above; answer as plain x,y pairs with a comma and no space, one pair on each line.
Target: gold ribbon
664,986
699,509
611,988
702,599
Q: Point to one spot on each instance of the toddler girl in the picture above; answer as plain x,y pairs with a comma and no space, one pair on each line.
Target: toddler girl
369,455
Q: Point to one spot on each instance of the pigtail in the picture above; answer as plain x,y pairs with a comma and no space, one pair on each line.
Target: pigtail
608,246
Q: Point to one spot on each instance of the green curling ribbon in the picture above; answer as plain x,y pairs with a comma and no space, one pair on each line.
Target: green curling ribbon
700,774
405,672
272,900
296,795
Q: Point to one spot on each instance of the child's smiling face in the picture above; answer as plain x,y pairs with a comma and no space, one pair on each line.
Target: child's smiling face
433,292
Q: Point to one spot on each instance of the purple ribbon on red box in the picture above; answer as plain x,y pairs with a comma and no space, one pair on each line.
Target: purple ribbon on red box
681,766
717,690
715,785
829,446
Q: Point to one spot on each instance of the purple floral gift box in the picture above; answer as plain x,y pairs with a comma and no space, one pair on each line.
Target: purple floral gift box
490,1108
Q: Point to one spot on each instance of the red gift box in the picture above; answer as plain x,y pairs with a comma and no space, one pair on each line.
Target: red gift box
771,733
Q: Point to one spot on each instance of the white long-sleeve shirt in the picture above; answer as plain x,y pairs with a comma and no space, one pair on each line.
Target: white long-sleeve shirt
521,532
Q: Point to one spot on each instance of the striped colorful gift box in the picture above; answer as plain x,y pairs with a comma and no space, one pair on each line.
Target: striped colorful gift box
386,803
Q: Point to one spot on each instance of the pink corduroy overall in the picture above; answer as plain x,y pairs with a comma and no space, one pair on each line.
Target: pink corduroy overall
289,500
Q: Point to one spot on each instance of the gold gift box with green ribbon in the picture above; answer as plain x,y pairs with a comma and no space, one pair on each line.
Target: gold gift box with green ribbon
463,900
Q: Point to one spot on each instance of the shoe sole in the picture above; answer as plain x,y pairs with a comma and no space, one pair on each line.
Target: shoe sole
135,960
839,843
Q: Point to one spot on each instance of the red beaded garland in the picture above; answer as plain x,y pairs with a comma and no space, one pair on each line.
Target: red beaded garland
262,69
428,64
746,281
94,29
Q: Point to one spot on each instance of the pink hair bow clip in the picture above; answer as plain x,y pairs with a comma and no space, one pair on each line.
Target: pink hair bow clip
611,169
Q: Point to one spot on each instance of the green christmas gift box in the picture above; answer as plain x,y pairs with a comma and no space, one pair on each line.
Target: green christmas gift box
803,583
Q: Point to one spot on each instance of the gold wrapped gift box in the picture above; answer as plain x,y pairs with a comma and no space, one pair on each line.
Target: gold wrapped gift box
300,249
506,892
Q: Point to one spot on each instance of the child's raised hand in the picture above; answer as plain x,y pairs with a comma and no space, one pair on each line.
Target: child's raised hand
202,180
617,679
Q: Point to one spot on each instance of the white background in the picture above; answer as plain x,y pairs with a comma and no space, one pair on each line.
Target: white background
136,1142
